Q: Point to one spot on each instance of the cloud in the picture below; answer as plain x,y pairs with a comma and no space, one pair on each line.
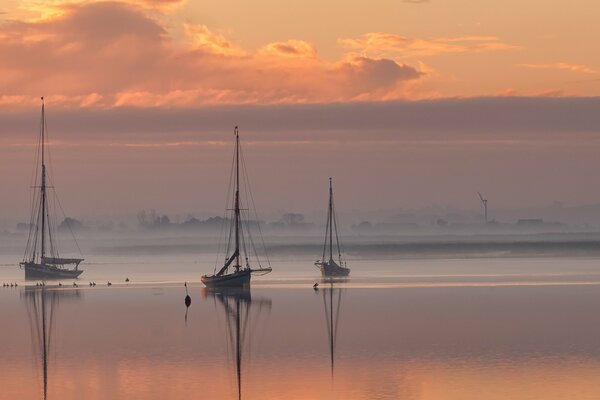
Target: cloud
512,118
562,66
47,9
290,49
381,44
203,39
78,59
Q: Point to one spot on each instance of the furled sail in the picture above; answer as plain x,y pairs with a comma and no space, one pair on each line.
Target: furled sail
61,261
228,262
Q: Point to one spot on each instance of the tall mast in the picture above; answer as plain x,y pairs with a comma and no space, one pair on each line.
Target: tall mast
330,220
43,188
237,198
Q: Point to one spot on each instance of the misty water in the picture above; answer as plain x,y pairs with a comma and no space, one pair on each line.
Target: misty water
430,328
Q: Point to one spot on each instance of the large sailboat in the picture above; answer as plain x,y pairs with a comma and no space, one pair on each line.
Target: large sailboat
236,271
329,267
42,259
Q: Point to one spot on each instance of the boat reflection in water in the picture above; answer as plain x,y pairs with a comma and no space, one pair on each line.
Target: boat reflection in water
42,305
243,316
332,303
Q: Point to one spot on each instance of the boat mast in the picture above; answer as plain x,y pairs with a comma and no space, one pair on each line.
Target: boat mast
43,189
330,222
237,199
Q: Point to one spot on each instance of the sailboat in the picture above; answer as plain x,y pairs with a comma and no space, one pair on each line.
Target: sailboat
42,259
233,273
330,268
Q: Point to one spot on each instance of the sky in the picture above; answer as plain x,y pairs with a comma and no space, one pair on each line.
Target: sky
405,103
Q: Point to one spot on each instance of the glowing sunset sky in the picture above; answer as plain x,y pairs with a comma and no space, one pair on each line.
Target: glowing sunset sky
419,101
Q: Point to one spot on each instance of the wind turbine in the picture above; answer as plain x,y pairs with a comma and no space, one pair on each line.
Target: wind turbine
484,202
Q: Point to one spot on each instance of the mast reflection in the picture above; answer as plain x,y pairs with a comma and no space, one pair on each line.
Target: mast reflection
42,305
332,302
243,314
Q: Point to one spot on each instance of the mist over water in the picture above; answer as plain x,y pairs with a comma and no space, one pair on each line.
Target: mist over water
425,329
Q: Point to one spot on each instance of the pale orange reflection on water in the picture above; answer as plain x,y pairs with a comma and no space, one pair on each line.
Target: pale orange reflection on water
422,343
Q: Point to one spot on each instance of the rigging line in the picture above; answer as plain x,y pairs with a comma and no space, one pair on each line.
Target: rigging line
32,245
252,243
243,237
52,236
34,199
225,215
337,238
70,230
255,211
326,234
50,232
36,232
246,185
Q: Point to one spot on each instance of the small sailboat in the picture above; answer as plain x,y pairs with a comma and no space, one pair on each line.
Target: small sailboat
233,273
329,267
42,259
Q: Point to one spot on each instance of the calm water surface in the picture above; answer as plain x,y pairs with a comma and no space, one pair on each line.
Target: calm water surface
427,329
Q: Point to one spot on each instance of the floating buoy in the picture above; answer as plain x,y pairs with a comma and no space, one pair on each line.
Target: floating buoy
188,299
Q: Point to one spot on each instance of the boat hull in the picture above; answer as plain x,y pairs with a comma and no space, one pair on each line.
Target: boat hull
238,279
332,270
37,271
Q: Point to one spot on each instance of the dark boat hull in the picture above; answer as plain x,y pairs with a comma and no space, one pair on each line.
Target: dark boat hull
37,271
333,270
236,279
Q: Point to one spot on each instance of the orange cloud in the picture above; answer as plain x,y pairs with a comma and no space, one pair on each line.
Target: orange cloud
202,38
562,66
78,59
290,49
381,44
46,9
